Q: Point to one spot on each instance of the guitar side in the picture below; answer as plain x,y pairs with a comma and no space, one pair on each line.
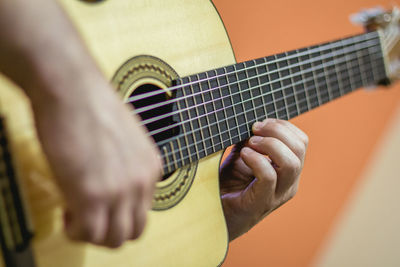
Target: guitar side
191,38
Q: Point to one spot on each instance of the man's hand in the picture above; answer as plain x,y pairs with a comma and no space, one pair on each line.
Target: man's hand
105,165
261,174
102,159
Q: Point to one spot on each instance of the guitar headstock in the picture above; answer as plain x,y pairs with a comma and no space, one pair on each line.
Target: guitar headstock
387,22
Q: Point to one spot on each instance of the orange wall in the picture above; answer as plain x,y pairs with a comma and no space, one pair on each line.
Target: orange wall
342,133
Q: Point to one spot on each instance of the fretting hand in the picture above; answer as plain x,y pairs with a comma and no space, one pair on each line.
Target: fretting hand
261,174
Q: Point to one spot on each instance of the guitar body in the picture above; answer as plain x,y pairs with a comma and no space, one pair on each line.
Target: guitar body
190,37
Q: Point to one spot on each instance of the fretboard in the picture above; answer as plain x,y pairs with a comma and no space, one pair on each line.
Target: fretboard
216,109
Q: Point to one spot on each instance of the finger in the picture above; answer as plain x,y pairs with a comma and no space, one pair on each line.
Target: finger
86,224
266,176
296,130
120,222
281,131
143,202
288,165
139,221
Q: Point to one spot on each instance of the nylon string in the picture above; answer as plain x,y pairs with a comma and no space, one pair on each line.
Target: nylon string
238,126
352,41
281,89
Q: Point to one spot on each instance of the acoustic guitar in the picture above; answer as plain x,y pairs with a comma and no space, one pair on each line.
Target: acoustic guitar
195,100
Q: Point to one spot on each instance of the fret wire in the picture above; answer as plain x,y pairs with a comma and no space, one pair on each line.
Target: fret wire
284,107
233,107
251,91
374,74
375,67
240,94
283,91
303,81
352,84
214,108
343,52
271,89
328,84
373,70
205,110
223,107
176,124
292,82
358,65
239,136
323,88
174,155
183,130
325,92
191,119
261,94
166,160
340,86
381,68
201,116
351,40
306,89
363,78
368,58
317,88
360,68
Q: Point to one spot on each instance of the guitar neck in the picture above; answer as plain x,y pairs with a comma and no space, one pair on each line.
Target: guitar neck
216,109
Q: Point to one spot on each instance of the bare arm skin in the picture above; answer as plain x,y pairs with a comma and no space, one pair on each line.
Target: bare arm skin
102,159
253,185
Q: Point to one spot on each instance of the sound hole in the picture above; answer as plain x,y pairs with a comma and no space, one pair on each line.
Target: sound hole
144,101
149,112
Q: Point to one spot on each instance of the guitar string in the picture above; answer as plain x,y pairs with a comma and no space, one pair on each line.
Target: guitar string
189,156
310,60
263,95
288,67
175,163
330,45
280,89
327,46
249,89
302,82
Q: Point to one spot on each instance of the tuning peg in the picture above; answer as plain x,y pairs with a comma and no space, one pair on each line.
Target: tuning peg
371,18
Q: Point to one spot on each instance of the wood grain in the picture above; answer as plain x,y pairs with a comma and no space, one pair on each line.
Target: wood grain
190,37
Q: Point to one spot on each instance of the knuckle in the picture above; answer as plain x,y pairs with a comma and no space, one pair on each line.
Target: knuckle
300,148
306,140
280,122
292,193
294,165
273,142
92,194
269,175
274,124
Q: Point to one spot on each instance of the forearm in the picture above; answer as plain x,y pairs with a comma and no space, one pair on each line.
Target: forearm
41,52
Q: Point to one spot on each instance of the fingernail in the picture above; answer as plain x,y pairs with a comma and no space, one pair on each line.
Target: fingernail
255,140
258,125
